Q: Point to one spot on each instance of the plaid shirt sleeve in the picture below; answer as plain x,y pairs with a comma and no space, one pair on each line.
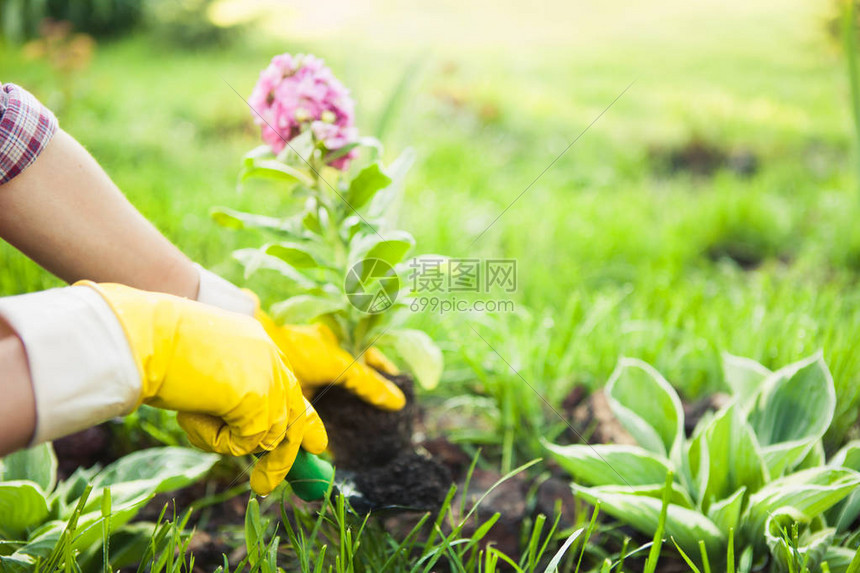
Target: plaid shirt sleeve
26,127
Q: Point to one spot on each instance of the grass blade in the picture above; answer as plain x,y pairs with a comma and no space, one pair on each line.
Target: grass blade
706,564
687,559
552,567
654,554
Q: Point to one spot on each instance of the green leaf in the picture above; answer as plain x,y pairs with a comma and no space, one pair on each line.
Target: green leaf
726,513
419,352
16,563
156,469
793,411
37,464
256,259
276,171
744,377
254,530
303,308
388,198
847,511
366,184
294,254
734,458
23,505
606,464
89,530
841,559
391,249
126,546
643,514
814,457
368,142
259,152
810,548
646,405
697,468
311,220
810,492
677,496
854,565
232,219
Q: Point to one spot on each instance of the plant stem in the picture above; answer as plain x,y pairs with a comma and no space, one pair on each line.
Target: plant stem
340,248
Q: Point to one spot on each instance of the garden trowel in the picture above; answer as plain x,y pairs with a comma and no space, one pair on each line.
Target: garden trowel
310,477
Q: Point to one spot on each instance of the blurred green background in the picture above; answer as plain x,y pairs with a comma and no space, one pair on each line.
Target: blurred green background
713,208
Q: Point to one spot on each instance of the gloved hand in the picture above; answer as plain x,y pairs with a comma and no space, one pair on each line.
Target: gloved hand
312,351
96,351
318,360
219,370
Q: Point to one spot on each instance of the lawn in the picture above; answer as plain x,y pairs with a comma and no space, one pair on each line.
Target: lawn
711,208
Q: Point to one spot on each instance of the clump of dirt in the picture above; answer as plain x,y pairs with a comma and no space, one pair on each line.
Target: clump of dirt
409,480
703,158
360,435
376,448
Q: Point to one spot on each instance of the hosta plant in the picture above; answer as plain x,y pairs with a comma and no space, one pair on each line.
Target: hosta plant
342,262
43,522
754,470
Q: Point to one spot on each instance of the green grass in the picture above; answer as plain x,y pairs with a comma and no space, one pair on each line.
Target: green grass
612,251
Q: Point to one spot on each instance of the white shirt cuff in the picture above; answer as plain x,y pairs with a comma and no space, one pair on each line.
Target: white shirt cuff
81,366
223,294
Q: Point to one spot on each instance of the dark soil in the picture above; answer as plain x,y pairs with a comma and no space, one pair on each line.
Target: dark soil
694,411
703,158
377,450
85,449
592,421
508,499
448,454
744,255
555,497
360,435
409,480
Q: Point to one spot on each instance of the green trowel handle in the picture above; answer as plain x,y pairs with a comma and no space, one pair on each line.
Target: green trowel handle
310,476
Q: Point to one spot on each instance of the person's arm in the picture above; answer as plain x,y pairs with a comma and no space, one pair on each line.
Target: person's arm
18,406
59,207
66,214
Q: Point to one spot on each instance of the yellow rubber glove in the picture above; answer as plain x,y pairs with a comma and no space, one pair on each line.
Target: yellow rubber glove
318,360
222,373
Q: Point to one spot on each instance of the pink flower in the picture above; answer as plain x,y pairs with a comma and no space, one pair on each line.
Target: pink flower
299,92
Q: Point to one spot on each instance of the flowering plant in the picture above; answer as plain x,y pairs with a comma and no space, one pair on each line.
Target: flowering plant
337,250
299,92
